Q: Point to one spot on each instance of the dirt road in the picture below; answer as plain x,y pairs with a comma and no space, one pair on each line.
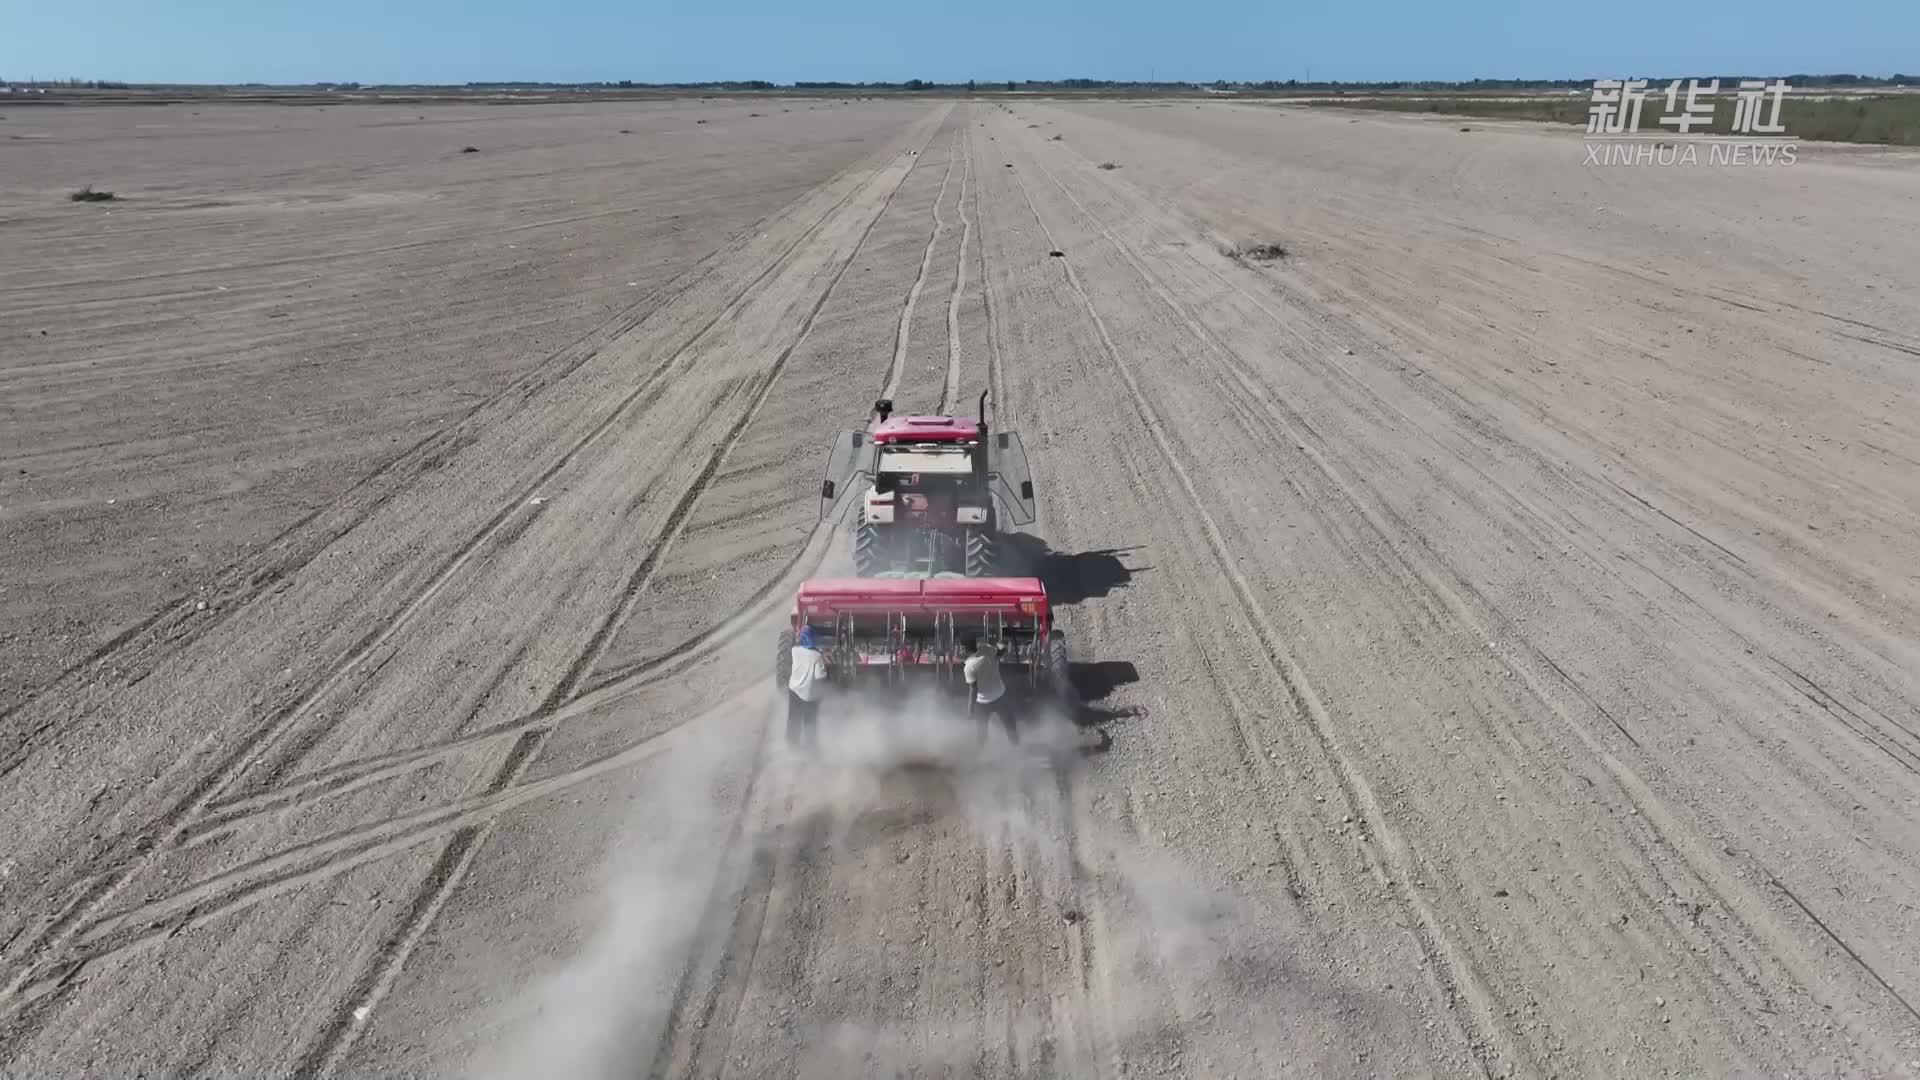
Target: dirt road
1497,617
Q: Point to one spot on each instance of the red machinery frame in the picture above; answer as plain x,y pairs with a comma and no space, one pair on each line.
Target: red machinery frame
887,629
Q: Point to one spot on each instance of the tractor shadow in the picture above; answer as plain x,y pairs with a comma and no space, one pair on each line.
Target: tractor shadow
1092,682
1070,577
1073,578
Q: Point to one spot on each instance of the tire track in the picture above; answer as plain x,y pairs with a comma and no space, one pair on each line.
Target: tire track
325,1054
1098,1046
950,393
1460,981
735,913
1868,732
704,1015
763,602
904,334
1729,888
613,686
225,814
701,1044
167,830
303,864
627,405
683,508
468,821
1615,497
163,833
248,580
996,334
362,772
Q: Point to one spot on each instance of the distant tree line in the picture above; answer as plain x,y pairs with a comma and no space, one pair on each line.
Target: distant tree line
922,85
67,84
1896,79
1496,85
623,84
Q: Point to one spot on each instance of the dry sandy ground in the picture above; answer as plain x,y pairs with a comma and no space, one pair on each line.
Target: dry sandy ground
1499,624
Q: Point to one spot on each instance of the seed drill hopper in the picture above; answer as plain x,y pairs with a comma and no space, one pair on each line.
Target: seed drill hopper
890,634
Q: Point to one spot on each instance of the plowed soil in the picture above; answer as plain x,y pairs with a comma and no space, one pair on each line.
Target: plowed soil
1496,617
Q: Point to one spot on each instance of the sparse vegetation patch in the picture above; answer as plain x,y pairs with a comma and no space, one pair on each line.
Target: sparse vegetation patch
1263,251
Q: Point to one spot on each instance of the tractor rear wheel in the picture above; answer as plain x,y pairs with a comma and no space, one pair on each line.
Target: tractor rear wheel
866,551
1059,670
983,555
783,661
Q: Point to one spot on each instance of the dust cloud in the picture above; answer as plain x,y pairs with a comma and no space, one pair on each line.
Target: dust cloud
1171,936
604,1012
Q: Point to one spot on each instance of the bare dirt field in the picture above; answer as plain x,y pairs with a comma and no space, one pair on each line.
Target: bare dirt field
1498,617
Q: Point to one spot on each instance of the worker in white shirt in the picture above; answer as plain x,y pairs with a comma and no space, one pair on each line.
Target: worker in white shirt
987,695
805,686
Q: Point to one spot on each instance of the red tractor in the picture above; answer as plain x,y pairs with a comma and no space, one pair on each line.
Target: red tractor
935,493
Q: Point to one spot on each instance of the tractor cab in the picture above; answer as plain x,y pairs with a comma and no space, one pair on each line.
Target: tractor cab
936,471
927,470
934,492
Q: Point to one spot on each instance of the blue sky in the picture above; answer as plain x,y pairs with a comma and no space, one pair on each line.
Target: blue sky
989,40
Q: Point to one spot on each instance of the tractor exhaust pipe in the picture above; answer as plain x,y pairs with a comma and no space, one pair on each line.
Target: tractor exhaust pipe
981,473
